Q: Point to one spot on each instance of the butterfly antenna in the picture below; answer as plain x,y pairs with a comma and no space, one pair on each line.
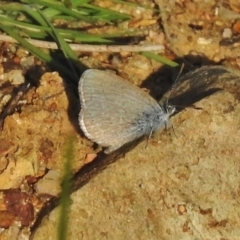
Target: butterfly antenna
175,83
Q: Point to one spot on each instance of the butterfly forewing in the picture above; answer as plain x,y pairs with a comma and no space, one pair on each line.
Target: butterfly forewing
110,107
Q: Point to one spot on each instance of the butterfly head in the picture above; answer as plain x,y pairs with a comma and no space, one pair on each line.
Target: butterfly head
169,109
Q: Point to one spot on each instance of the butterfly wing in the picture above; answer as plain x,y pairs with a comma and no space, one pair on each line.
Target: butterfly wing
113,110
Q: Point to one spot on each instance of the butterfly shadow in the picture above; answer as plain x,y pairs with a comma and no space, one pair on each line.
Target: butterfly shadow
182,89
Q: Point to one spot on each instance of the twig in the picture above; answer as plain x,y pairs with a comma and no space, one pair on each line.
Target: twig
12,104
90,48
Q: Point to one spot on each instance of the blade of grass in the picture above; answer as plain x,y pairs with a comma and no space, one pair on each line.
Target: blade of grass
37,52
105,14
29,17
67,51
41,32
67,3
82,10
78,3
65,199
61,8
159,58
23,25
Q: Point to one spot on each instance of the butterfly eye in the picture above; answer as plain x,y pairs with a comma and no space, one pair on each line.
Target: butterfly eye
170,109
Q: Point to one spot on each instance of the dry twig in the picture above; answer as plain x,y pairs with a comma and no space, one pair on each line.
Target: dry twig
88,47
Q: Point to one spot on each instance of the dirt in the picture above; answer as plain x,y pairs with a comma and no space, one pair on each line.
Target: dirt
183,185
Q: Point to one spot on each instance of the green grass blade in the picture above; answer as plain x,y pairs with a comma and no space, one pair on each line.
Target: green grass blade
67,51
37,52
159,58
41,32
105,14
65,199
61,8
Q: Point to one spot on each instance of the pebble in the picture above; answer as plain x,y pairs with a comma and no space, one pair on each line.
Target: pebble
227,33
